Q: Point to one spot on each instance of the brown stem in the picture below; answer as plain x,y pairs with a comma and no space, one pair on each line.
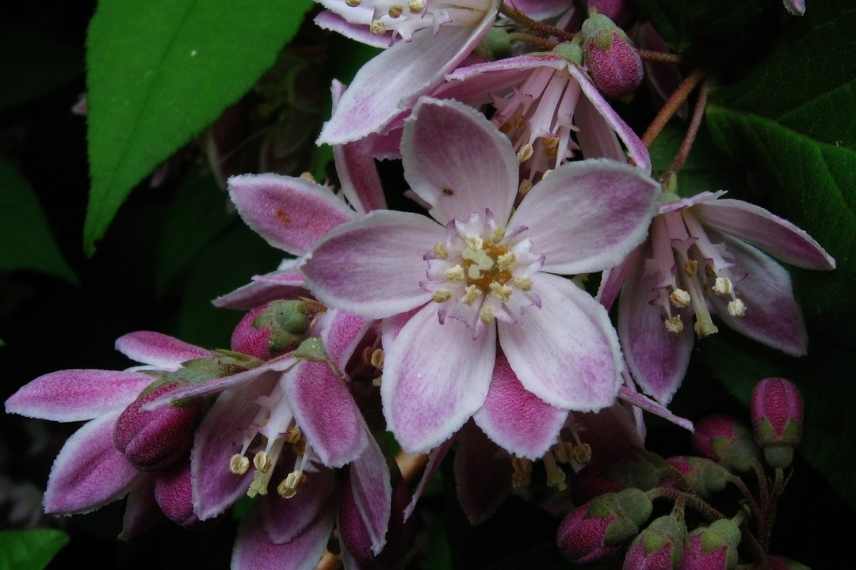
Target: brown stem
524,20
411,464
761,477
672,105
760,519
692,132
773,505
692,501
660,56
543,43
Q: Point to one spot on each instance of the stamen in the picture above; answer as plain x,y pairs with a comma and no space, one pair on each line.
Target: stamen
521,473
287,488
472,293
441,296
737,308
506,261
691,267
353,3
395,11
377,27
262,461
674,324
723,286
525,187
525,152
293,435
555,476
680,298
502,292
522,283
473,272
474,242
456,273
487,315
497,235
415,6
377,358
239,464
440,250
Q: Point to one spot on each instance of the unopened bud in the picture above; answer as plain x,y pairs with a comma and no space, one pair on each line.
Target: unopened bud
713,547
611,58
777,419
174,496
571,51
271,329
726,441
495,45
658,547
702,476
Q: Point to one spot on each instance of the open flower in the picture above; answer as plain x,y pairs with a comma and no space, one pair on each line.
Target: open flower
485,274
701,259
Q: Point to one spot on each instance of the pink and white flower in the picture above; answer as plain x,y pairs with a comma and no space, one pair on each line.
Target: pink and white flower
450,291
703,257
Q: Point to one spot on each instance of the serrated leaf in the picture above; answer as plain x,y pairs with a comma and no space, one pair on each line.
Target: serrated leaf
29,549
158,72
27,240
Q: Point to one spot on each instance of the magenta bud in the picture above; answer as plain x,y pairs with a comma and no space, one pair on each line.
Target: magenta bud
713,547
658,547
702,476
726,441
611,58
782,563
271,329
157,439
174,496
777,419
618,11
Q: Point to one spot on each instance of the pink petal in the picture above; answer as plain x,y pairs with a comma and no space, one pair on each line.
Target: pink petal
631,396
397,76
596,137
328,20
475,84
435,459
341,333
221,435
391,327
515,419
255,551
657,359
565,352
285,519
458,161
326,413
290,213
361,14
74,395
373,265
612,280
435,377
542,9
371,486
262,289
89,472
270,369
158,349
778,237
587,216
773,317
141,510
482,475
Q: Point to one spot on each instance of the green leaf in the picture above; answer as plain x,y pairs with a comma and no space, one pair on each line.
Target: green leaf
27,240
29,549
160,71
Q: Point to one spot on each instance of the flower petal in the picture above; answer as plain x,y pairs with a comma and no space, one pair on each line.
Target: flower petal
565,352
255,551
435,377
285,519
773,317
482,475
777,236
458,161
435,459
75,395
141,510
612,280
221,435
398,75
270,369
587,216
329,20
373,265
158,349
326,413
542,9
371,486
515,419
657,358
290,213
341,333
89,471
262,289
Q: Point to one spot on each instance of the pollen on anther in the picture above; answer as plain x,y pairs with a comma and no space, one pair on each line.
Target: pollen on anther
525,152
416,6
395,11
353,3
441,296
455,273
239,464
680,298
506,261
674,324
522,283
723,286
262,461
377,27
471,294
487,315
440,250
503,292
737,308
691,267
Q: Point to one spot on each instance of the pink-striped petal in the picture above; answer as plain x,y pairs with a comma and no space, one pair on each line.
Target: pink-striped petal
158,349
482,475
435,377
371,488
255,551
75,395
263,289
285,519
515,419
565,352
642,402
221,435
373,265
398,75
270,369
329,20
773,316
326,413
542,9
458,161
475,84
612,280
291,214
612,206
435,459
89,471
776,236
341,333
595,136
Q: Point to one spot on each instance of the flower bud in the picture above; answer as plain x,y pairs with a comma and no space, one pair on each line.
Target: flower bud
702,476
726,441
154,440
571,51
713,547
174,496
495,45
777,419
658,547
782,563
611,58
597,529
616,10
271,329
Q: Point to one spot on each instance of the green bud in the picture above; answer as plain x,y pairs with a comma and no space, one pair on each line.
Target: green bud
495,45
571,51
311,349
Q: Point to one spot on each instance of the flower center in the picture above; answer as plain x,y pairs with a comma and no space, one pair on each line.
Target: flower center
406,17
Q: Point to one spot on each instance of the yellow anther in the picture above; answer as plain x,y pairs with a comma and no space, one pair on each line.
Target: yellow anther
307,176
525,187
440,250
497,235
287,488
525,152
293,435
239,464
441,296
377,358
704,327
522,283
502,292
581,454
377,28
723,286
455,273
262,461
471,294
353,3
506,261
416,6
473,272
521,472
737,308
395,11
555,476
474,242
674,324
691,267
551,146
487,315
479,257
680,298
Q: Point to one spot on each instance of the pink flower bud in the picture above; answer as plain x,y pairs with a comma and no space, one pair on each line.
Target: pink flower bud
777,419
598,528
270,330
616,10
658,547
157,439
726,441
174,496
702,476
782,563
611,58
713,547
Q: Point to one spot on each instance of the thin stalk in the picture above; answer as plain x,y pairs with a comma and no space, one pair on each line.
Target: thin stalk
692,132
660,56
538,27
541,42
778,488
757,512
672,105
692,501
